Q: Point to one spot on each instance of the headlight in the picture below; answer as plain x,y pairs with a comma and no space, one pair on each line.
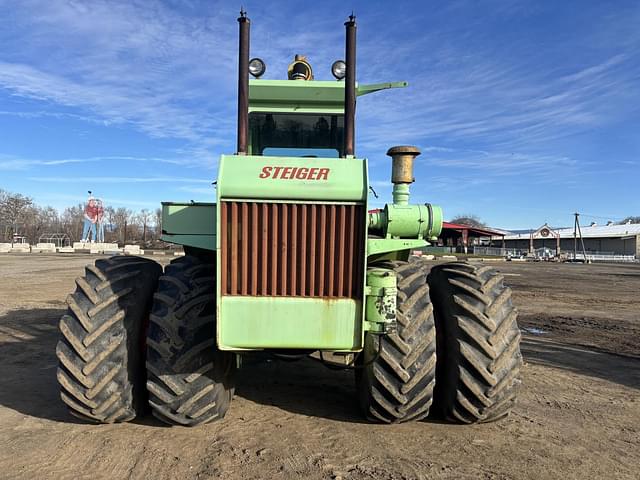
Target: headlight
257,67
339,69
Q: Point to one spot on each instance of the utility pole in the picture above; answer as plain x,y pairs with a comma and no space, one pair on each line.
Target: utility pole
578,231
575,236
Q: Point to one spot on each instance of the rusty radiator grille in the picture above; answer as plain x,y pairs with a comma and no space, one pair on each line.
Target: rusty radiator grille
287,249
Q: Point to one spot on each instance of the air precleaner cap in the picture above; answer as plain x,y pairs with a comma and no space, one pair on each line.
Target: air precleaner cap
402,157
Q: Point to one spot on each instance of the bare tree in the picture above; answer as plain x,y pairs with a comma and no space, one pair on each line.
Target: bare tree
469,219
144,217
158,221
121,221
14,211
72,221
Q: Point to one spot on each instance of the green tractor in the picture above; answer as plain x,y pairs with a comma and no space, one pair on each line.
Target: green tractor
290,261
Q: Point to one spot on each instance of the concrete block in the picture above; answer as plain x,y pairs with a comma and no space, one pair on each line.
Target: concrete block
178,254
449,257
65,250
132,249
5,247
44,248
429,257
106,246
157,253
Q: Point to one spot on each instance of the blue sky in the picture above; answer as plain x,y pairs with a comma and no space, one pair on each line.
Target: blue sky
525,111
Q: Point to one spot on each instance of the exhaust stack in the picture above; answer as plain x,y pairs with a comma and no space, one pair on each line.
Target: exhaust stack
350,87
243,83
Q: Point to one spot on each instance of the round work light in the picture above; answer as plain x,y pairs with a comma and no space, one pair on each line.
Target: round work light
257,67
339,69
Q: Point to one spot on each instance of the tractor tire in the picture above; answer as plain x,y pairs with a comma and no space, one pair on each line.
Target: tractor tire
101,370
478,341
396,375
190,381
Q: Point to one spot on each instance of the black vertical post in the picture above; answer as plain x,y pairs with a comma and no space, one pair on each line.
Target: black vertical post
243,83
350,87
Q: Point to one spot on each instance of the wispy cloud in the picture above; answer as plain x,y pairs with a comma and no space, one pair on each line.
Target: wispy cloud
11,163
106,179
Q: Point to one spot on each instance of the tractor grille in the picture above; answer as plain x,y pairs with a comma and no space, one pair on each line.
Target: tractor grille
295,250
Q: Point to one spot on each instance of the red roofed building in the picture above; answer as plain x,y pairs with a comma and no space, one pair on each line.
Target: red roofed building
463,236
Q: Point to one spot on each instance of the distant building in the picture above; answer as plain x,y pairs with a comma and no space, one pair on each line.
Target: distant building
613,239
459,237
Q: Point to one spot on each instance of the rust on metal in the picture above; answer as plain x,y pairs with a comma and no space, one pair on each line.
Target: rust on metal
234,249
274,249
402,158
322,237
243,84
341,244
224,264
331,257
254,248
280,249
350,87
263,258
293,235
244,242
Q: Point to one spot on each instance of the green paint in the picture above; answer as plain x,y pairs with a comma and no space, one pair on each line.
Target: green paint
377,246
287,96
380,305
254,323
289,322
190,224
239,177
407,221
400,194
376,87
296,96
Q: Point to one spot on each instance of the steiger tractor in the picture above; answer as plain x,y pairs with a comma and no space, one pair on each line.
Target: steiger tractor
290,261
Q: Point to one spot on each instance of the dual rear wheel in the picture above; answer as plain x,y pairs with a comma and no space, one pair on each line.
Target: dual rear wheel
115,321
455,351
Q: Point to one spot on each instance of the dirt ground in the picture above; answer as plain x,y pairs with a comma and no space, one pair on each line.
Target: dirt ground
578,414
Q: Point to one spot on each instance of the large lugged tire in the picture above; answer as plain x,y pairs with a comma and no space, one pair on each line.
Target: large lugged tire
397,386
479,355
190,381
101,369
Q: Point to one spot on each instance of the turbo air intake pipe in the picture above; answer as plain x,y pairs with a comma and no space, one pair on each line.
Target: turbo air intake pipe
401,219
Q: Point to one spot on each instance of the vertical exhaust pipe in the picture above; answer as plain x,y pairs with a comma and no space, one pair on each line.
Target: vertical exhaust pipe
243,83
350,87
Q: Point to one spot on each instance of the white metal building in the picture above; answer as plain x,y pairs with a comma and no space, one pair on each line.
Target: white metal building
604,239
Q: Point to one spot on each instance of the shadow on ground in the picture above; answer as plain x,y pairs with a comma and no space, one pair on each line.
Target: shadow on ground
28,357
28,382
305,387
620,369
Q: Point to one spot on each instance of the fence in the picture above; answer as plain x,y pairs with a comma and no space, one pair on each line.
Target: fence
604,257
550,252
498,252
